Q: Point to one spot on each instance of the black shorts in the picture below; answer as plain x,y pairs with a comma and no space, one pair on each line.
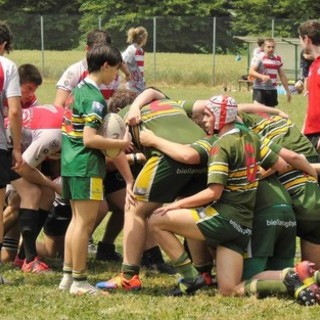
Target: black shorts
266,97
113,180
6,174
58,221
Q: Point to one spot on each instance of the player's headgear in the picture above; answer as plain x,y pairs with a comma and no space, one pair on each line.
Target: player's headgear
224,109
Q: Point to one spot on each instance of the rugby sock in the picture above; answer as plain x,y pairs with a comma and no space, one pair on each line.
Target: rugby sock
28,225
184,266
129,270
67,268
204,268
79,275
42,217
10,244
264,288
21,253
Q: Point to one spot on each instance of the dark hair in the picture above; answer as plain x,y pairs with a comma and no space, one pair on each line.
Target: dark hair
120,99
310,28
29,73
100,54
98,36
6,36
260,42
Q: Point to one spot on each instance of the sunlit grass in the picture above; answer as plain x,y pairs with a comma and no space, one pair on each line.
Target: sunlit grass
37,296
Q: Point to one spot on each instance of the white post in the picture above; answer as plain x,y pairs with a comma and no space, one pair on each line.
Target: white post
214,51
154,46
42,43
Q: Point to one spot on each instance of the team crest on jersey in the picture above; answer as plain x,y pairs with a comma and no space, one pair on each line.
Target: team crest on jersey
97,107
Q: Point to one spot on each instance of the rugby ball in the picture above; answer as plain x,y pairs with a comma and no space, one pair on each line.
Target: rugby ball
112,127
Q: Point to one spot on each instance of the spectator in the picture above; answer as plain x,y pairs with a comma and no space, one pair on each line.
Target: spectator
264,68
133,56
260,47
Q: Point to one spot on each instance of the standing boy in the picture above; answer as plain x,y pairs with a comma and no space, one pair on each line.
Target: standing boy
83,165
9,89
309,33
265,67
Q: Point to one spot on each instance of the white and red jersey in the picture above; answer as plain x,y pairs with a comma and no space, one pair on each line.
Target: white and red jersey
77,72
46,116
41,132
30,103
268,65
9,87
133,56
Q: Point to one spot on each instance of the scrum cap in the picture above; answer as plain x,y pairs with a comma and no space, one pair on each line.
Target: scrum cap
224,109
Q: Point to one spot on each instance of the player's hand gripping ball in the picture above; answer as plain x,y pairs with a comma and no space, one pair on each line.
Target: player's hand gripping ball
112,127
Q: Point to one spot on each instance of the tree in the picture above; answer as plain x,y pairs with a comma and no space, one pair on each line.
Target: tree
254,17
61,28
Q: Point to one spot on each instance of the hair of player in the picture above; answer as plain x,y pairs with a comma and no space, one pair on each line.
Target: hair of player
311,29
28,73
260,42
120,99
6,37
98,36
98,55
137,35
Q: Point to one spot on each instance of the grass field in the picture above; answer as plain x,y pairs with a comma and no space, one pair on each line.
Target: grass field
37,296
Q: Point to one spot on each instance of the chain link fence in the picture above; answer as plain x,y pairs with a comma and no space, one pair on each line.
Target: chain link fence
193,35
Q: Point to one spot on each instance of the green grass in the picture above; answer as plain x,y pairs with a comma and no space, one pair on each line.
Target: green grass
37,296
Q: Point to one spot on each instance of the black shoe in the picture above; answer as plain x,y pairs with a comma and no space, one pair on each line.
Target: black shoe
107,252
187,287
298,289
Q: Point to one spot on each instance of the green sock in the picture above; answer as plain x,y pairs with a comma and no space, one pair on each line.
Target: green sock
67,268
129,270
264,288
204,268
79,275
184,266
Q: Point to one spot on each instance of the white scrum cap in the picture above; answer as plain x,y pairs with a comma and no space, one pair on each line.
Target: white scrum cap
224,109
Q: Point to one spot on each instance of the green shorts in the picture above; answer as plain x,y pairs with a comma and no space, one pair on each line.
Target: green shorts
273,233
306,201
82,188
218,230
273,241
163,180
253,266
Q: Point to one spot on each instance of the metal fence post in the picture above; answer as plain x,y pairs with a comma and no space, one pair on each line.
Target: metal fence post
214,51
154,46
42,43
